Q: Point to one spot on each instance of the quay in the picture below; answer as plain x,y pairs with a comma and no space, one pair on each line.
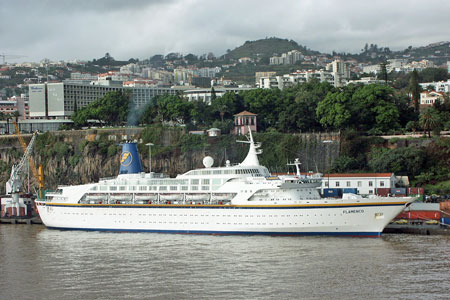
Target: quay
29,221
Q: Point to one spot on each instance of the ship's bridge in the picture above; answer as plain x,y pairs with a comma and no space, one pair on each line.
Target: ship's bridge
256,171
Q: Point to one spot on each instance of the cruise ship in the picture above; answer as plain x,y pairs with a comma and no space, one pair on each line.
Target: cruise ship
239,198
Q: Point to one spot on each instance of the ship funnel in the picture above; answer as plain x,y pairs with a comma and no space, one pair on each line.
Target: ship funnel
129,159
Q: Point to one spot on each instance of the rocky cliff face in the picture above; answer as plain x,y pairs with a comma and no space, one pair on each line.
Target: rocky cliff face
76,157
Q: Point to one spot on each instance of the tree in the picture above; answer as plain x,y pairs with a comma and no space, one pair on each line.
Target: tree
403,161
433,74
266,103
213,94
228,104
334,111
111,109
429,120
300,104
369,107
414,89
383,73
174,108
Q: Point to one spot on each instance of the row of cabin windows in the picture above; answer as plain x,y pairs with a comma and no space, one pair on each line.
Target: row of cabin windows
155,188
172,186
255,172
359,183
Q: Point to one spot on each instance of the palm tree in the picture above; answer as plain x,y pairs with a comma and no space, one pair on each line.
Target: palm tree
429,120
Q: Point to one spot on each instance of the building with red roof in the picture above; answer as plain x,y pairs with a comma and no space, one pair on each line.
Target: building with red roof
243,121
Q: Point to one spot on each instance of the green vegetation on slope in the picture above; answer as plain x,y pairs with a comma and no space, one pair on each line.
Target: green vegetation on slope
266,48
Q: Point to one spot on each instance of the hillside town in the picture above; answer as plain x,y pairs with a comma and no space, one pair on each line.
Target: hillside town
51,90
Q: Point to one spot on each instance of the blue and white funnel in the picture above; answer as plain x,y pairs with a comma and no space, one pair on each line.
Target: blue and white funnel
129,159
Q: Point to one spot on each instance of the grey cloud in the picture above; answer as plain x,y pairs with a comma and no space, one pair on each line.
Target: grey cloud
72,29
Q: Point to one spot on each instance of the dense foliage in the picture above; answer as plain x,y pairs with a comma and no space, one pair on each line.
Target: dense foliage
112,109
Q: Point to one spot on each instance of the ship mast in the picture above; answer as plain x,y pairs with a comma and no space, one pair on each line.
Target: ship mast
252,157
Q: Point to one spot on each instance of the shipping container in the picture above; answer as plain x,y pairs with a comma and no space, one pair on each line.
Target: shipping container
398,191
330,192
350,190
445,221
445,206
419,215
384,192
424,206
415,191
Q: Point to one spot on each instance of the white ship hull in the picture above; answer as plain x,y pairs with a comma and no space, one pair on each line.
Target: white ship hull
362,218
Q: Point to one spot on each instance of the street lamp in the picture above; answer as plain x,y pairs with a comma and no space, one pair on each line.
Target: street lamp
150,155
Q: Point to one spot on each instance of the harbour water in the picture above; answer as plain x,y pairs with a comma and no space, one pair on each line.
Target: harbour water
38,263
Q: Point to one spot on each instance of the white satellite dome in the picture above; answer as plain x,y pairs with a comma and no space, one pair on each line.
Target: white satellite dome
208,161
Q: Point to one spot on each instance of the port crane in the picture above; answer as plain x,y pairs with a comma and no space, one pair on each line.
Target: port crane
4,56
15,181
38,176
14,186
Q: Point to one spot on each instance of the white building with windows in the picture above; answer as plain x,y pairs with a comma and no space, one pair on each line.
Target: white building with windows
366,183
59,100
430,98
205,95
438,86
288,58
292,79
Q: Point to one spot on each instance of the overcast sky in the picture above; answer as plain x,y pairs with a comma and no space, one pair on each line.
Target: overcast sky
80,29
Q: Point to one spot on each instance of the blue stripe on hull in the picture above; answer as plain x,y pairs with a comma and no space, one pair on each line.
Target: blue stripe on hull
207,232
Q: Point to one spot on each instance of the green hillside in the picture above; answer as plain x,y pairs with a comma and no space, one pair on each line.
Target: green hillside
266,48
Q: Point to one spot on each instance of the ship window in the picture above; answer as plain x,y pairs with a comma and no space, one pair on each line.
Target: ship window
163,188
94,188
217,172
194,188
348,183
142,188
206,172
154,188
205,181
103,188
132,188
113,188
184,188
381,183
173,187
194,181
205,188
370,183
337,183
122,188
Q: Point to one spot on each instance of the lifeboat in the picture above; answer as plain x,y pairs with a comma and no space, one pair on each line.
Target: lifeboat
121,197
146,197
197,197
95,197
222,197
171,197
